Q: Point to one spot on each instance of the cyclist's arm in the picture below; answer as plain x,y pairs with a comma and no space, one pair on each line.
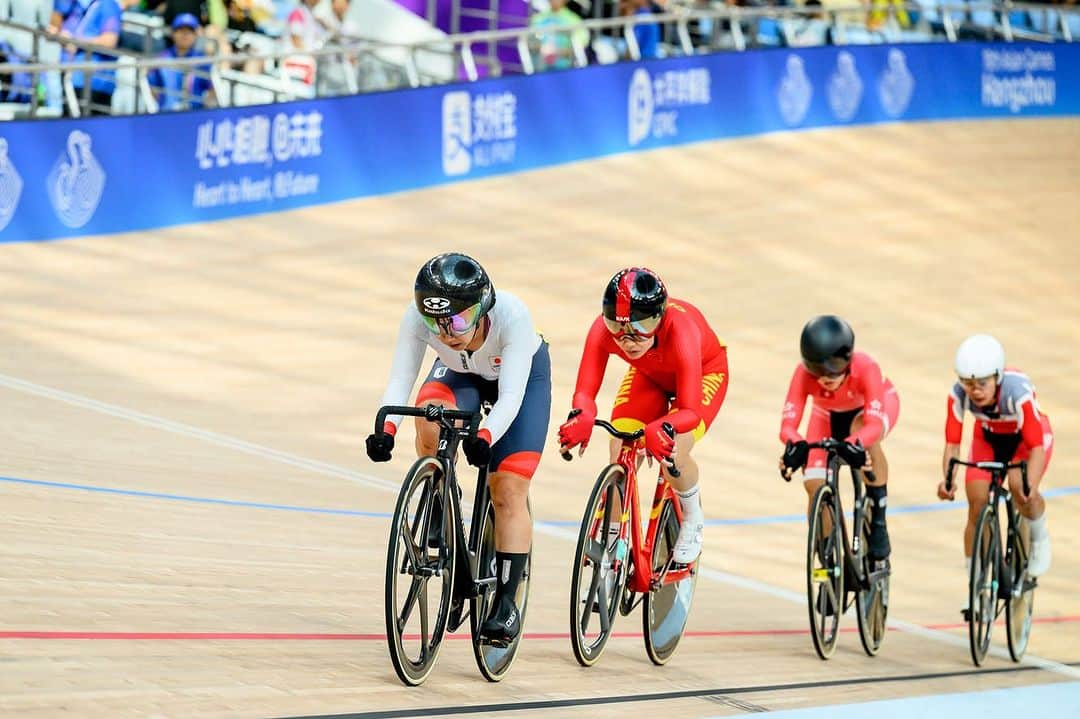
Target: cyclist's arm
591,370
687,346
517,355
873,403
1031,433
954,432
408,354
794,405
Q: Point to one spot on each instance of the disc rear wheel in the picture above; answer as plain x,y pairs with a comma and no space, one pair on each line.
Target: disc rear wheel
666,608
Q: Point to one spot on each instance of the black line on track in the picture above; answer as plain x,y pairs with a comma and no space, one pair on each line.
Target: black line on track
660,696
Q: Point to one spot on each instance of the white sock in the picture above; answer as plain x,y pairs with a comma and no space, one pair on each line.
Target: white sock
967,566
690,500
1038,527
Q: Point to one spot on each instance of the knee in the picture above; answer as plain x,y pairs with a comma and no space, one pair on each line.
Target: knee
509,494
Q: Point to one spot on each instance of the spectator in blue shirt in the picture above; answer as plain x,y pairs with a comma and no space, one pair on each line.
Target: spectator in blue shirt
179,88
89,21
646,34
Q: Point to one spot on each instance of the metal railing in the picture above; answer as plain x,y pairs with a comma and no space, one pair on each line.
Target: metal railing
357,60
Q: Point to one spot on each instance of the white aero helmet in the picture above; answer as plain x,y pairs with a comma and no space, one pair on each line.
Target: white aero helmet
980,356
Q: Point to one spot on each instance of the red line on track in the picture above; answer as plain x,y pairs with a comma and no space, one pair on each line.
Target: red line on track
287,636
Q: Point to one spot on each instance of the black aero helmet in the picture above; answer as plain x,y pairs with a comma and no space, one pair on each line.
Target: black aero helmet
453,292
634,302
826,345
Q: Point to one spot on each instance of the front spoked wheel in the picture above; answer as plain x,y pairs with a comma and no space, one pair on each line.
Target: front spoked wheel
599,570
419,577
983,584
666,607
872,597
492,660
824,571
1020,603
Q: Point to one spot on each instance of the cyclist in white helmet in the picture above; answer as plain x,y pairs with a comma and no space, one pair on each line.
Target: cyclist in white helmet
1009,428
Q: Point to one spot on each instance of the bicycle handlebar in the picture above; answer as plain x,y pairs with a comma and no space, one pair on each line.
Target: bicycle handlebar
432,413
995,468
669,430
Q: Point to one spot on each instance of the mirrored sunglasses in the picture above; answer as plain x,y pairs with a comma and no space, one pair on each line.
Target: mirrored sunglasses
457,324
643,328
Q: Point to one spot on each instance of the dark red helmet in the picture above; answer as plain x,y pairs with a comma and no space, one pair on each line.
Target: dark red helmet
634,302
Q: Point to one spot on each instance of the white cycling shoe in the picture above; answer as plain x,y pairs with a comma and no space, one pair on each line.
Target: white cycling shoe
691,536
1039,561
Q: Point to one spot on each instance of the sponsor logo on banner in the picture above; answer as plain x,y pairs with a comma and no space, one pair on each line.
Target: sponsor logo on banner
653,103
1018,79
10,186
257,141
896,84
845,87
478,129
795,91
76,182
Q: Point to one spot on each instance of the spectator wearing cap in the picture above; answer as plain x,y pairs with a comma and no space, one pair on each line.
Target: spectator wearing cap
90,21
180,88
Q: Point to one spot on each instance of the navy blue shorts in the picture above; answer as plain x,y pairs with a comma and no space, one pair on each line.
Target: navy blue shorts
518,451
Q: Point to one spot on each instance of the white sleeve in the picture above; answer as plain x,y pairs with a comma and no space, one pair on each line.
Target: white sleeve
517,355
407,357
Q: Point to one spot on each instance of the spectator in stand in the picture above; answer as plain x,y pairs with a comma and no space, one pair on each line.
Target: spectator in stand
14,86
334,17
169,9
180,88
556,48
89,21
646,34
304,34
337,72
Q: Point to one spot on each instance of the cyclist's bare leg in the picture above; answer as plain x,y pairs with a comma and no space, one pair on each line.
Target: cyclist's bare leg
687,466
427,433
978,493
1035,504
513,524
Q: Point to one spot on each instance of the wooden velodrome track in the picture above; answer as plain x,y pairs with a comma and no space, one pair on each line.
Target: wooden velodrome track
177,404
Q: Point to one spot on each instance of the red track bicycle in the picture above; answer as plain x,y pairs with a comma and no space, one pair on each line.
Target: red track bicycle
616,567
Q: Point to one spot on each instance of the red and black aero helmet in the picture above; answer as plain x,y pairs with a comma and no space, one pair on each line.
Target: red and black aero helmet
453,292
826,345
634,302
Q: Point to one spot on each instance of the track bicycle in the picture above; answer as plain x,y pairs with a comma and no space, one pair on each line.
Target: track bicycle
998,580
617,566
837,565
432,569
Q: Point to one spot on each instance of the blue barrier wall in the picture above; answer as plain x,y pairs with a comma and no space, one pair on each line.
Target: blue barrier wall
65,178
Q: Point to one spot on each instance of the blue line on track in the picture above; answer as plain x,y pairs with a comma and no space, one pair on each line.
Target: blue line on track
768,519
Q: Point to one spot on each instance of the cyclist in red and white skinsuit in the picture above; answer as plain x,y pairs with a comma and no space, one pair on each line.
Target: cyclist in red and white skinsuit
678,374
854,403
1009,428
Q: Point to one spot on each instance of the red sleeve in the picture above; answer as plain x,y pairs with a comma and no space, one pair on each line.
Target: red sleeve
954,426
591,370
794,406
1032,431
686,343
873,388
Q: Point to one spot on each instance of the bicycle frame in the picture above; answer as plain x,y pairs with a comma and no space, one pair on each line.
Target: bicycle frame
832,478
450,436
644,578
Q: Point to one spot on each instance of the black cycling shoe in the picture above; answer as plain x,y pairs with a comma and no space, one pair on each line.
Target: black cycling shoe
879,542
503,625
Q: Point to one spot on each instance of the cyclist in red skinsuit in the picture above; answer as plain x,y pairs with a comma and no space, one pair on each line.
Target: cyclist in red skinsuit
1010,427
853,402
678,374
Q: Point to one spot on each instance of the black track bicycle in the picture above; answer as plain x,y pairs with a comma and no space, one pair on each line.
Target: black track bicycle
839,565
432,569
999,580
